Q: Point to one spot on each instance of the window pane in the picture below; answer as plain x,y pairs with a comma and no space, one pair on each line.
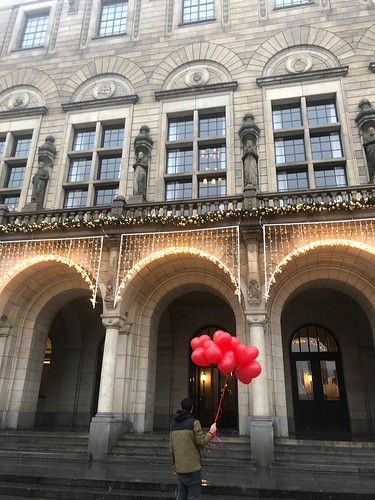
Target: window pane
178,190
289,150
197,10
15,177
288,3
11,202
321,113
329,380
21,146
326,146
105,196
292,181
304,380
212,126
179,130
35,31
113,137
179,161
79,170
75,198
83,140
212,158
286,116
213,188
113,18
330,177
2,145
109,168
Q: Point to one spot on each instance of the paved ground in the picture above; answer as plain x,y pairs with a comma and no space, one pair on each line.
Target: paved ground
264,483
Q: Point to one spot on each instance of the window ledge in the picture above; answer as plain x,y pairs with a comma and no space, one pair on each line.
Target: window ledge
267,81
94,103
36,111
204,89
194,23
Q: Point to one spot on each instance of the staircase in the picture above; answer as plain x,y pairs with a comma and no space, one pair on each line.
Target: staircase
153,449
324,456
38,445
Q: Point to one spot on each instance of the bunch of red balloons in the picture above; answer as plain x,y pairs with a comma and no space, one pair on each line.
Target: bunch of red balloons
228,353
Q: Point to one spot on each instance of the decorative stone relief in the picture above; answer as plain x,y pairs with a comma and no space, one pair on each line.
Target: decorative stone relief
254,292
197,76
366,125
249,133
20,99
73,6
102,88
299,63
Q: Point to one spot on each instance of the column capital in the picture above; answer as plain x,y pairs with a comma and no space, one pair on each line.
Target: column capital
113,320
256,318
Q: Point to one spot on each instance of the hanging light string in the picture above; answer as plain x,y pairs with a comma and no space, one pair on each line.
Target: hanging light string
218,245
82,254
284,242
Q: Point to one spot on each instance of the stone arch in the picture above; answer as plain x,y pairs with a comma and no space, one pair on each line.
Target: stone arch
303,36
33,78
144,300
101,67
337,268
204,51
366,44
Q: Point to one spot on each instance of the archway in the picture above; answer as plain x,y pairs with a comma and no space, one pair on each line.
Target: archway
176,378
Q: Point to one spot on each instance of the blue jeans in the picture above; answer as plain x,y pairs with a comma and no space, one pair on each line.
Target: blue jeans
189,486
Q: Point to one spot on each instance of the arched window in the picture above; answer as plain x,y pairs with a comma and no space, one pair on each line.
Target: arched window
313,338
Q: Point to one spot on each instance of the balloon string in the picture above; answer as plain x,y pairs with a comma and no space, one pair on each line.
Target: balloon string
220,403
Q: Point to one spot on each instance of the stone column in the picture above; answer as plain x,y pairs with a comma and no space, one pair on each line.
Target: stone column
106,427
261,425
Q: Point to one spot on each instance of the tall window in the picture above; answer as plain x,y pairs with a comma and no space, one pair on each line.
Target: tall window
34,32
290,3
14,156
94,165
113,17
197,10
196,156
307,145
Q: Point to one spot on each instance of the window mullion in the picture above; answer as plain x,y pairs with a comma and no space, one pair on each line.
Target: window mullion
306,137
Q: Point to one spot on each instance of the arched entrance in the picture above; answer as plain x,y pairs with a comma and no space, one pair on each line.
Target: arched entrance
189,315
319,395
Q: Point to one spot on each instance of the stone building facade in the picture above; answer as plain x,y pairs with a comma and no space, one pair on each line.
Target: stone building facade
168,168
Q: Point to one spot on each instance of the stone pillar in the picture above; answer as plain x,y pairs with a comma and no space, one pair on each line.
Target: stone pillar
261,425
106,427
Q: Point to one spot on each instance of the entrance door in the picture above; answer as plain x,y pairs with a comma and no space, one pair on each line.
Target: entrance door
205,389
319,398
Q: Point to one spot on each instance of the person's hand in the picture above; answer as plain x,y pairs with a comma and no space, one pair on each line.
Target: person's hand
213,429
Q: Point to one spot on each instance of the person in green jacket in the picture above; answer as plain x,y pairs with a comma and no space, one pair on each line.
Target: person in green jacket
186,437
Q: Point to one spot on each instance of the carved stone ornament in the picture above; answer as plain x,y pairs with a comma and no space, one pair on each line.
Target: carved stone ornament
196,77
254,292
298,63
19,100
104,90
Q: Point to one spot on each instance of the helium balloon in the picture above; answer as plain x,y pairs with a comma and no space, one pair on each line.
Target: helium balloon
227,363
242,354
254,368
223,340
243,374
212,351
199,358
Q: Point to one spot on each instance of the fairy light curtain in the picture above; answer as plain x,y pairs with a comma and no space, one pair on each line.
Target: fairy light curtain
84,254
283,242
219,245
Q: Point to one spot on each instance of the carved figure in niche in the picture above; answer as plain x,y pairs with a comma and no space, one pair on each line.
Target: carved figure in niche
250,164
369,145
140,175
39,184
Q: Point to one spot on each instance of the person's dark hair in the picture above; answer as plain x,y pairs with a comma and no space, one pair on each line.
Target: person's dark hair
187,404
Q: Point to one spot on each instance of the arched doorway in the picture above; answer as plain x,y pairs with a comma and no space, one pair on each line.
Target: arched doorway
205,389
176,376
319,395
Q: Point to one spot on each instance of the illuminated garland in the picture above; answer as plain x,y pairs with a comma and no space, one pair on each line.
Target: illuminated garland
182,220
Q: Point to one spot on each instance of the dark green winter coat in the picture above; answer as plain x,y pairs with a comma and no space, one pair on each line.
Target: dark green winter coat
186,438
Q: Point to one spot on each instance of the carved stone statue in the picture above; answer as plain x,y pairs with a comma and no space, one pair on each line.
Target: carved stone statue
142,147
369,145
250,164
249,133
39,180
140,175
46,157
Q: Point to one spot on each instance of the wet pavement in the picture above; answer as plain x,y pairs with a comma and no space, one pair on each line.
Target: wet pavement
220,483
